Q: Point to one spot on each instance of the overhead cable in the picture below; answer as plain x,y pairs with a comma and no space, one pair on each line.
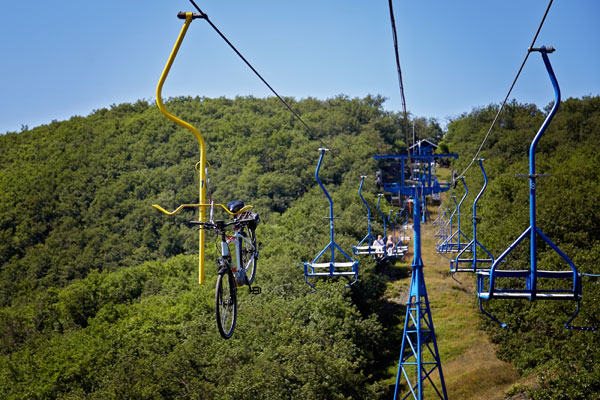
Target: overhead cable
205,16
400,83
509,90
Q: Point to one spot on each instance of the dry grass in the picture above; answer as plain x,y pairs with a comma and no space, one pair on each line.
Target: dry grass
471,369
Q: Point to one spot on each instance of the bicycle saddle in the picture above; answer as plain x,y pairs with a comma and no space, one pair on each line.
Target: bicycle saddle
235,205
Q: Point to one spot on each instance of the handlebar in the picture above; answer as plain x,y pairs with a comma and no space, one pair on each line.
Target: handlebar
216,225
181,207
220,225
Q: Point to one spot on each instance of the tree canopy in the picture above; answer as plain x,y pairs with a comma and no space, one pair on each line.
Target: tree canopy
98,291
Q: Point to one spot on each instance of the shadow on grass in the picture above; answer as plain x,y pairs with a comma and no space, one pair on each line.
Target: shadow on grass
370,296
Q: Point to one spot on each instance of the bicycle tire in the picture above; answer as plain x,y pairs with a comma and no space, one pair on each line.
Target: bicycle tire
226,303
249,254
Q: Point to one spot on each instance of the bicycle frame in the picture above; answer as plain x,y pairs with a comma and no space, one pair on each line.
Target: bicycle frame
239,270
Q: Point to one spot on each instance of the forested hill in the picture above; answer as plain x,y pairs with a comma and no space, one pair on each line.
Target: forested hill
98,291
568,212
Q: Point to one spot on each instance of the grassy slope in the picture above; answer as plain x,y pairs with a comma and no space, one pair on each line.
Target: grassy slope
469,363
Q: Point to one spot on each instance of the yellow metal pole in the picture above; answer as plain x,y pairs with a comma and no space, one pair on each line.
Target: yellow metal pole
161,107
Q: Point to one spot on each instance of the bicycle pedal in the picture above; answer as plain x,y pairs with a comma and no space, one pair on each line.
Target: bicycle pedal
255,290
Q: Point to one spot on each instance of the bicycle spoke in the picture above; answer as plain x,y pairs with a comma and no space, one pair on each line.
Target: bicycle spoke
226,304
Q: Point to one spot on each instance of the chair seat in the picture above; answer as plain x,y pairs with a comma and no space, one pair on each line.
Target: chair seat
335,273
335,264
541,295
367,250
471,270
523,273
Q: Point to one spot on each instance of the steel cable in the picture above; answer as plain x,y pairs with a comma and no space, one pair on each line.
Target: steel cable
509,91
205,16
400,83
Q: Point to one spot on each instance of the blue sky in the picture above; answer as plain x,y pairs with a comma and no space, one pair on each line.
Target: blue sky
67,57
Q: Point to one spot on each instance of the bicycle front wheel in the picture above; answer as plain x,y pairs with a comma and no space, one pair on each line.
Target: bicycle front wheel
249,254
226,303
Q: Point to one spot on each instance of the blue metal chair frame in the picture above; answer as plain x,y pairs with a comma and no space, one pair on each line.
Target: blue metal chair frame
532,291
401,248
360,248
441,245
440,218
403,222
384,255
442,232
424,211
397,249
454,267
452,244
379,196
332,268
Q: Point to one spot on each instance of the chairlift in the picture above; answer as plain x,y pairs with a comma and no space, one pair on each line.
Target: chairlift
473,244
440,218
383,218
399,248
490,284
315,269
453,244
442,232
368,244
446,227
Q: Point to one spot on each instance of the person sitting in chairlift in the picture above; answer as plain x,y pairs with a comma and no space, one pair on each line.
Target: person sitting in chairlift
390,245
379,246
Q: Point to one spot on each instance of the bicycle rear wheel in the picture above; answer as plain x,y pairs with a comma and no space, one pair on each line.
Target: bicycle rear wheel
249,254
226,303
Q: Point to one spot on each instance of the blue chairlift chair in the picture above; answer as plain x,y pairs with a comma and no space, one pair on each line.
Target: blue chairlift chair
453,243
492,284
333,268
367,244
473,244
441,246
401,238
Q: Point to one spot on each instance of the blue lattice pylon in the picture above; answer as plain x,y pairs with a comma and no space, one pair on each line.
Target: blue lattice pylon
419,356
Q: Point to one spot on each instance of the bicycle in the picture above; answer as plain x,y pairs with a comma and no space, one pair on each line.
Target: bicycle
246,254
233,271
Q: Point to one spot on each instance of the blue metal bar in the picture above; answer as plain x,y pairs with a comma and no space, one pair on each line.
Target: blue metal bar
396,225
382,217
417,231
369,235
362,181
402,177
323,150
532,175
485,183
462,178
